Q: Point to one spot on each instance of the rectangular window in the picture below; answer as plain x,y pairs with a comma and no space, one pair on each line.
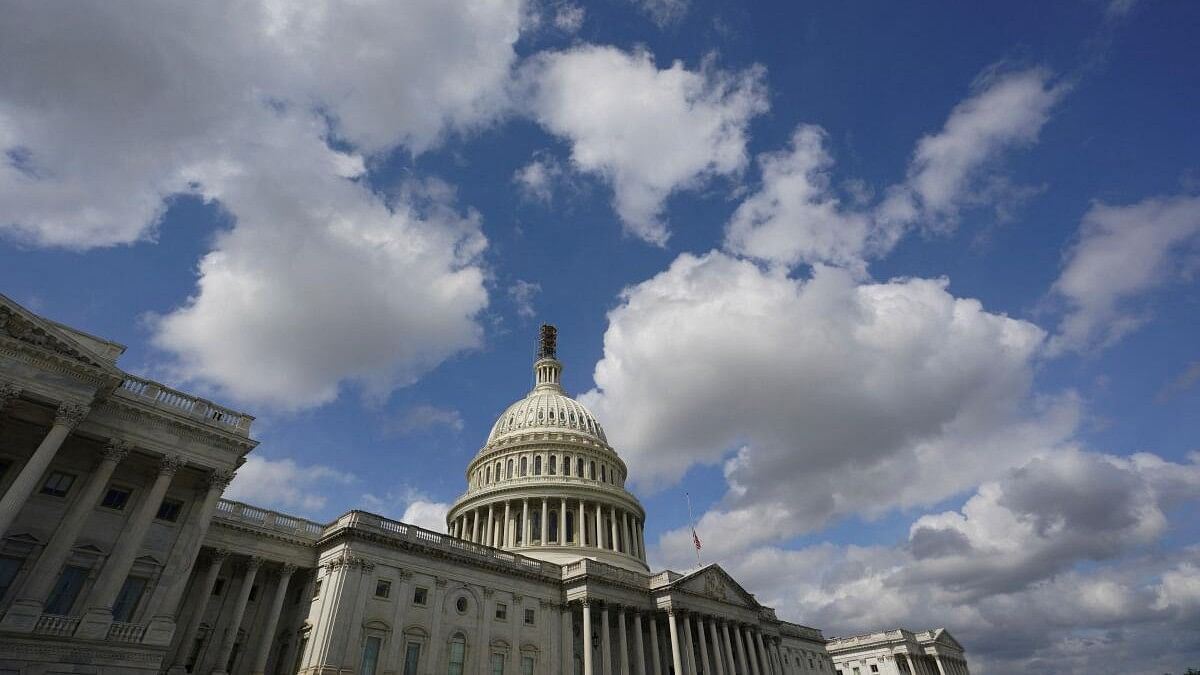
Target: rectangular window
370,657
501,611
420,596
526,665
218,587
383,588
57,484
412,658
66,589
874,668
127,599
169,510
115,498
529,617
497,664
8,571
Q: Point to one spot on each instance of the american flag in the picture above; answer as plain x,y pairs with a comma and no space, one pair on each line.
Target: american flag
695,539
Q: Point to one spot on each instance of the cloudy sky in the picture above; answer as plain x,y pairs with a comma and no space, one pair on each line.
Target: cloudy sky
904,294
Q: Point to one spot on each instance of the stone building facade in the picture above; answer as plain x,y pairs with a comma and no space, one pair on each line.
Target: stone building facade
118,554
899,652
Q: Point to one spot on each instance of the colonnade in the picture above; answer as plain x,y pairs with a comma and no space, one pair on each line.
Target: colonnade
248,570
679,642
97,621
925,664
552,521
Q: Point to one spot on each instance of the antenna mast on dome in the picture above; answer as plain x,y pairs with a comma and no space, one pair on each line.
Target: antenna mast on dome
547,341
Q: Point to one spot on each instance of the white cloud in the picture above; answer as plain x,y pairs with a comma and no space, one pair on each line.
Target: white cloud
418,508
523,293
537,178
568,17
834,398
649,132
1123,252
284,484
427,514
797,217
663,12
423,418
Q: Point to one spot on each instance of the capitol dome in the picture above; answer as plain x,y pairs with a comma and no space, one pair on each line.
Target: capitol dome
547,484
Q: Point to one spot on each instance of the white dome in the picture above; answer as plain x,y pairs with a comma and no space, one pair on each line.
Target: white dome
546,409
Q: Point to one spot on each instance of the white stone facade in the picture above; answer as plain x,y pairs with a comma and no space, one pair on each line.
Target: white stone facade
118,554
899,652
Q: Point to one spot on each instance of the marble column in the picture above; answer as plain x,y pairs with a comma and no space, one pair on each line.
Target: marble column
612,522
267,636
164,601
738,638
655,654
562,523
567,638
911,667
491,526
235,620
205,589
587,638
605,642
508,529
581,526
96,621
599,526
623,641
676,654
639,646
729,660
751,655
525,529
26,609
763,659
705,664
626,538
937,658
475,526
65,418
545,520
688,645
718,659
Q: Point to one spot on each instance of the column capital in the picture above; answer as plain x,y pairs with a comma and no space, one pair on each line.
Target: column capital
218,555
70,414
286,570
116,450
169,464
219,479
253,563
8,392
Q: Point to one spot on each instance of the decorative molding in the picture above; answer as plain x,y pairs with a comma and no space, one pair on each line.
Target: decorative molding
287,570
219,479
253,563
116,450
348,561
218,555
70,414
8,392
26,331
190,430
169,465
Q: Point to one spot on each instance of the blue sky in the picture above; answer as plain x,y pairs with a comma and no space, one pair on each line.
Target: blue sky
903,294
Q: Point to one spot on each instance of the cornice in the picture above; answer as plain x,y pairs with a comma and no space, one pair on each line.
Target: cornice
133,412
264,534
57,363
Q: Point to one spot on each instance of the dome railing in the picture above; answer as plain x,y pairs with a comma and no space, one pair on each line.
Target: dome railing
537,481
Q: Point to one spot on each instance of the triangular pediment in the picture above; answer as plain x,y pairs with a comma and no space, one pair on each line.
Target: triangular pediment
89,548
18,323
24,538
715,583
943,636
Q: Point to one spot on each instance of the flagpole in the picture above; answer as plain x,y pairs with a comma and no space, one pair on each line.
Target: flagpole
692,522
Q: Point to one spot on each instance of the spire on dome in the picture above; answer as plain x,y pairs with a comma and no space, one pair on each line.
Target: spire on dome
547,371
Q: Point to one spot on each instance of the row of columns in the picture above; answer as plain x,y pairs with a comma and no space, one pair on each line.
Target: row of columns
97,619
249,569
945,666
697,644
504,524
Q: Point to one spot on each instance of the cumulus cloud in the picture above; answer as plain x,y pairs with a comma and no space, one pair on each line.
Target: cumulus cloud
284,484
414,506
523,293
796,216
537,179
1123,253
821,397
321,281
647,131
1003,572
568,17
424,418
663,12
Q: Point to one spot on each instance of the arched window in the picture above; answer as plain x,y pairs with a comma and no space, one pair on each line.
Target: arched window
537,465
457,654
579,467
592,470
524,466
566,465
489,474
498,470
553,465
603,473
508,470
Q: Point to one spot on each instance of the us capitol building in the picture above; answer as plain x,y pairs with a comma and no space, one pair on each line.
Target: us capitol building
118,554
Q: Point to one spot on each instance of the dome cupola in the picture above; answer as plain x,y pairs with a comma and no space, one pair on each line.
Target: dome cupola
547,484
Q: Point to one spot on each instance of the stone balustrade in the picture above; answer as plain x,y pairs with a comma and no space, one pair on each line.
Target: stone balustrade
165,398
126,632
239,512
53,624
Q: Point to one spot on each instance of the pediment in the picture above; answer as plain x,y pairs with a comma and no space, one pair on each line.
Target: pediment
715,583
24,538
18,323
89,548
943,636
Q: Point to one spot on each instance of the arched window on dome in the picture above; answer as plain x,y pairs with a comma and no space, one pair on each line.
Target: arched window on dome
592,470
566,465
508,470
489,474
603,473
552,414
537,465
498,465
524,466
553,465
579,467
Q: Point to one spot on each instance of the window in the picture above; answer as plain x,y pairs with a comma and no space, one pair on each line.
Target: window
592,470
220,586
115,498
579,467
66,589
874,668
458,654
501,611
566,465
420,596
383,588
57,484
489,474
524,466
526,665
603,473
553,465
412,658
317,589
370,657
530,616
461,605
508,470
8,571
497,664
169,510
537,465
127,599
